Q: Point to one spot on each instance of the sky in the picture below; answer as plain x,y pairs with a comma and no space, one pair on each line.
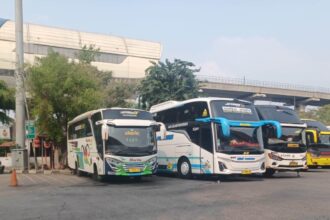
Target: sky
280,41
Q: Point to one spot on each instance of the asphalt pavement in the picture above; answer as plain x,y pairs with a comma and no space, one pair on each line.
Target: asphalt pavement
59,196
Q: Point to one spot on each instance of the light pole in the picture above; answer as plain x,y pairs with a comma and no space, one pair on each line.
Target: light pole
20,158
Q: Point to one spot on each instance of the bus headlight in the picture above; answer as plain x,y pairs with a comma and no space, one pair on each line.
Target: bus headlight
152,161
113,162
274,156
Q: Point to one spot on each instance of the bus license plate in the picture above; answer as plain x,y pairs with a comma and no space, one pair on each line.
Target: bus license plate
134,170
246,172
293,164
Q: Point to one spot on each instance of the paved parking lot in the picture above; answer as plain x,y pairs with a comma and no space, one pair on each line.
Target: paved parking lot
59,196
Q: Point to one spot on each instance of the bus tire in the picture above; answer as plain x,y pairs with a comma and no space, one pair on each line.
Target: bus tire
184,168
312,166
269,173
78,172
96,176
75,170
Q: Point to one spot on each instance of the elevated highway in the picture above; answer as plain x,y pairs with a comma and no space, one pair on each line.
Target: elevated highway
252,90
296,95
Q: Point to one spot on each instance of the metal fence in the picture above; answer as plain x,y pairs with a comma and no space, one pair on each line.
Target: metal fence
259,83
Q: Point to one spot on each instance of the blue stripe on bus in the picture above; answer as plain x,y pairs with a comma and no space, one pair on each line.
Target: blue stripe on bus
167,137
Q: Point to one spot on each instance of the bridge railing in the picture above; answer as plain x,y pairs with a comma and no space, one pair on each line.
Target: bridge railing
259,83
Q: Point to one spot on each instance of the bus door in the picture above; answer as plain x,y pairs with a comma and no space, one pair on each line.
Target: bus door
206,148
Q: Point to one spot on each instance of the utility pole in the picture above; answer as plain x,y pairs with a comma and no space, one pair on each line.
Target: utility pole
20,155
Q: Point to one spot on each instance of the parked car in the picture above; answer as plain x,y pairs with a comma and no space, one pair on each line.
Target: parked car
2,168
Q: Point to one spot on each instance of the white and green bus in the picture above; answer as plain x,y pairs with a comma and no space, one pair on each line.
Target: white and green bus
113,141
210,136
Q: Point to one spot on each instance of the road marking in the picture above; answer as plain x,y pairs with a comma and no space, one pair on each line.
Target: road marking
55,180
32,180
71,179
42,179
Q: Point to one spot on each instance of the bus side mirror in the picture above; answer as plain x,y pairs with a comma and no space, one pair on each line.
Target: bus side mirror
273,132
105,132
225,128
162,131
311,138
157,127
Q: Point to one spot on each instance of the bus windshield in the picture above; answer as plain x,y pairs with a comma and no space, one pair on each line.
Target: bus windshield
279,113
325,139
291,141
130,141
241,139
234,110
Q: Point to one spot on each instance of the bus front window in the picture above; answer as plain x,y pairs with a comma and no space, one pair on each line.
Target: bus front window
325,139
131,141
241,139
291,141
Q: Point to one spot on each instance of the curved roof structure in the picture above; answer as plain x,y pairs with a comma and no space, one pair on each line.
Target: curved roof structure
125,57
58,37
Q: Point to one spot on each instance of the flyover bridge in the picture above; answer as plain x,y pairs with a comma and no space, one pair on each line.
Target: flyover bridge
241,88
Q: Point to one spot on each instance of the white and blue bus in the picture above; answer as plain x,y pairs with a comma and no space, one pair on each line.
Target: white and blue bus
287,153
210,136
113,141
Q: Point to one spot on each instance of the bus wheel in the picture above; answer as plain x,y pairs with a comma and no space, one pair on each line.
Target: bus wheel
269,173
184,168
95,173
312,166
75,171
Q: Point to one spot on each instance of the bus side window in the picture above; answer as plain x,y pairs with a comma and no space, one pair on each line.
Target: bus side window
193,131
88,129
194,110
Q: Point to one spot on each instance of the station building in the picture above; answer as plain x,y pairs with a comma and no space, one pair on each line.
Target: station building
125,57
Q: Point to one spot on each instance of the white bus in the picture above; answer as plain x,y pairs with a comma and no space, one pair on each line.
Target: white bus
287,153
113,141
210,136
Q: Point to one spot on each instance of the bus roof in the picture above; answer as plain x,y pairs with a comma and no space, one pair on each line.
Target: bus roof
311,123
90,113
173,104
285,115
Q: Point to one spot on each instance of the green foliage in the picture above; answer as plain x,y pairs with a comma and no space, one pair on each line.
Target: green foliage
168,81
87,54
60,91
118,93
7,101
323,114
308,115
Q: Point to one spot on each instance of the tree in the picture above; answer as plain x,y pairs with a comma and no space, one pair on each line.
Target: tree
87,54
60,91
117,94
323,114
168,81
7,101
